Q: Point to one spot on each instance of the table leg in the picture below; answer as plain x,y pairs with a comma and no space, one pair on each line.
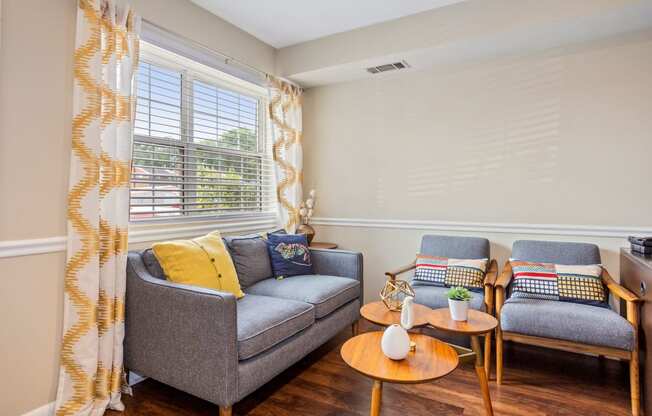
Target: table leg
482,375
376,397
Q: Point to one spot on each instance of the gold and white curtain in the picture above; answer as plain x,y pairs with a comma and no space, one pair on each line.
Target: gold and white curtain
106,54
286,130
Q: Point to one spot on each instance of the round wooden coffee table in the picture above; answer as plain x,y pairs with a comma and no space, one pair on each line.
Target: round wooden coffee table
432,359
479,323
377,313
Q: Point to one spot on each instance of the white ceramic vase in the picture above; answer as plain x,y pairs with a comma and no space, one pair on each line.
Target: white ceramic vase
459,309
407,313
395,342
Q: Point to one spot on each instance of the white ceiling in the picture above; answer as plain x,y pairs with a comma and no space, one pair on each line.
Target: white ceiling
282,23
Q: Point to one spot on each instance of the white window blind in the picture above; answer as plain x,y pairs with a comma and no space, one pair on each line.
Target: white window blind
199,142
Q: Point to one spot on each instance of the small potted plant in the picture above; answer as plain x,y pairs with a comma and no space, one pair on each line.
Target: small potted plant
458,303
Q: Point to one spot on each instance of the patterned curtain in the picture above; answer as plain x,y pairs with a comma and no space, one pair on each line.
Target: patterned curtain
91,375
285,116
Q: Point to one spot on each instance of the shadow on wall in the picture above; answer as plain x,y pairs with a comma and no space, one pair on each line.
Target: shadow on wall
523,125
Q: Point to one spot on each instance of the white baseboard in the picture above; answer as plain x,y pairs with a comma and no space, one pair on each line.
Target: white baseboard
48,409
45,410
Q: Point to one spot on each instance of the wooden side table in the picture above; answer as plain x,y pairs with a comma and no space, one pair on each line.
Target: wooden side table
479,323
377,313
432,359
321,245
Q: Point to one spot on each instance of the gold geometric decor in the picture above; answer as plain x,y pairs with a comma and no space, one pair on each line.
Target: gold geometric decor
91,375
394,292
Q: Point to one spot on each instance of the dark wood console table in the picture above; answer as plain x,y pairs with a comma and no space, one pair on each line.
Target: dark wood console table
636,275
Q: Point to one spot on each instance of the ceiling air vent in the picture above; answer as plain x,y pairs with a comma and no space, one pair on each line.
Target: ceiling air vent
387,67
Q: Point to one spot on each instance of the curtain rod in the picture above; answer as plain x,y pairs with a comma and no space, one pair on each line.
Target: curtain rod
229,60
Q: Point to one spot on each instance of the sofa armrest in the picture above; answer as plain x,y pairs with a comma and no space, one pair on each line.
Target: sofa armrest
338,263
181,335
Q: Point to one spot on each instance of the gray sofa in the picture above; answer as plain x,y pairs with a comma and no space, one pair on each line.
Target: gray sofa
220,349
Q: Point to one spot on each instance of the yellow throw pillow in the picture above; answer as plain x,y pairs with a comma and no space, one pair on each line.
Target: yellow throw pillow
203,261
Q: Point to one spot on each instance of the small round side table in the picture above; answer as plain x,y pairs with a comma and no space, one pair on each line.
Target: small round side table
479,323
323,245
432,359
377,313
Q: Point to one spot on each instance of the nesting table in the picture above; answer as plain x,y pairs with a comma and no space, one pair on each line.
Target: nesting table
431,360
479,323
363,360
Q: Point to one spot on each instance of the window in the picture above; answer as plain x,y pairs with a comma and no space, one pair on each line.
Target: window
199,142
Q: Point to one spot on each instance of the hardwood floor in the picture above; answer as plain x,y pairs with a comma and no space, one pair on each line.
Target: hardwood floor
537,382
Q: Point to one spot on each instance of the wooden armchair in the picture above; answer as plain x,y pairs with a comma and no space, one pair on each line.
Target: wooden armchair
585,329
461,248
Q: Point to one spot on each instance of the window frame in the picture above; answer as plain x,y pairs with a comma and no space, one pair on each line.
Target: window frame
191,71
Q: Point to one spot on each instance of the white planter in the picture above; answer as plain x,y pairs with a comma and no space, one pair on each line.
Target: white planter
395,342
459,309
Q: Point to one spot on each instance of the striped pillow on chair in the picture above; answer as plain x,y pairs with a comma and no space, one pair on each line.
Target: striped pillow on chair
445,272
579,284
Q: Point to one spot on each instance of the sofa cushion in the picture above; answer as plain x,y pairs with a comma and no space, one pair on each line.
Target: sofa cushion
250,258
264,321
289,254
151,263
203,261
573,322
435,297
326,293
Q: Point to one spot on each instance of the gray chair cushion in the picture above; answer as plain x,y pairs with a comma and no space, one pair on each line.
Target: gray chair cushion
263,322
556,252
250,258
326,293
567,321
455,247
435,297
152,264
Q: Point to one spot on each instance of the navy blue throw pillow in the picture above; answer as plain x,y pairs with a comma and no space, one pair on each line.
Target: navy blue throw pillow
289,254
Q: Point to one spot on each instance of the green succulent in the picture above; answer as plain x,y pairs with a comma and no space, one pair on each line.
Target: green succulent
459,293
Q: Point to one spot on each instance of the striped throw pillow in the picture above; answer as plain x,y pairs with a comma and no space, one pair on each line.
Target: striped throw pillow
579,284
445,272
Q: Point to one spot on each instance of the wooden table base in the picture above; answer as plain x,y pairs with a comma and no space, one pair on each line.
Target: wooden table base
376,398
475,354
482,374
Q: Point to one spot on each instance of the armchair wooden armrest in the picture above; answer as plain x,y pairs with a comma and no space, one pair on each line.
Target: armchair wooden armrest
505,277
492,274
392,275
489,281
616,289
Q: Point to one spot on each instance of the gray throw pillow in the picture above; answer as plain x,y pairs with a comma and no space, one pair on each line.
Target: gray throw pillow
250,258
151,263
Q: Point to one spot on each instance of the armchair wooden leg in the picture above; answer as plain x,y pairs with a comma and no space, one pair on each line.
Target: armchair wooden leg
499,356
355,327
634,383
226,411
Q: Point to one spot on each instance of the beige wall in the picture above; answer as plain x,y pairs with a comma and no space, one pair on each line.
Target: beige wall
36,81
557,138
